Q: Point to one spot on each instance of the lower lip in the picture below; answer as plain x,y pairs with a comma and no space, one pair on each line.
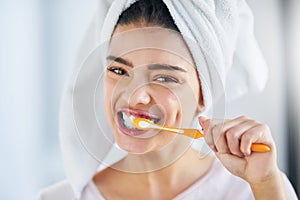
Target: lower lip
127,131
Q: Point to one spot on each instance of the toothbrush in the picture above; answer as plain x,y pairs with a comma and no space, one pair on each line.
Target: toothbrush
145,124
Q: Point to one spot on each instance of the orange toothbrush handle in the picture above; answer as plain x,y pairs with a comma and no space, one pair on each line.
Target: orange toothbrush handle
261,148
255,147
193,133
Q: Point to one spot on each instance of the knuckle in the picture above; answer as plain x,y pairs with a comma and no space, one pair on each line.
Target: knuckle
252,121
213,128
216,130
232,134
235,149
233,145
230,141
242,117
247,137
265,127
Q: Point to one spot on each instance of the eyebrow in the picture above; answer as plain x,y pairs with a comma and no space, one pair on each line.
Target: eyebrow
150,67
119,60
165,67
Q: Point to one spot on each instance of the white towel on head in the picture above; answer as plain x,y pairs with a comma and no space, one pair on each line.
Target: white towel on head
223,47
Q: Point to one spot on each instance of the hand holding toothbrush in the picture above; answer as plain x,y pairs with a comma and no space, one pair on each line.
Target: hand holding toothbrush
231,142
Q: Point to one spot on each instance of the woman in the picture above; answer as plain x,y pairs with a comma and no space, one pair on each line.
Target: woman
151,72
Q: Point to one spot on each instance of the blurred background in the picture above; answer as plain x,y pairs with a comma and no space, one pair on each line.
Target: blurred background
38,44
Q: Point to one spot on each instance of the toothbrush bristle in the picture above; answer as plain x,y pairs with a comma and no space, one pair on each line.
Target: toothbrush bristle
144,124
141,123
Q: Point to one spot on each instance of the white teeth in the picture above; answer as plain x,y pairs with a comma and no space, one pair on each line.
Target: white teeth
128,120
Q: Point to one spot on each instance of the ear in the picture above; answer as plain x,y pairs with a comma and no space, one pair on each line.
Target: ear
200,106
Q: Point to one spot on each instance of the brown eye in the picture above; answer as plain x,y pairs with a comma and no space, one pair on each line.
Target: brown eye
118,70
166,79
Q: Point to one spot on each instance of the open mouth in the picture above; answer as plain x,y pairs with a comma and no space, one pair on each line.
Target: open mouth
126,117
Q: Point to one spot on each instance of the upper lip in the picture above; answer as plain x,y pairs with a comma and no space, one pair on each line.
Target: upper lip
139,113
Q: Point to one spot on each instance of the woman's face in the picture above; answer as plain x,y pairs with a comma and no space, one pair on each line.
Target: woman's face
150,74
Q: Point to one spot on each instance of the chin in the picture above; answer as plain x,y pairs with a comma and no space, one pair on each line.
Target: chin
135,147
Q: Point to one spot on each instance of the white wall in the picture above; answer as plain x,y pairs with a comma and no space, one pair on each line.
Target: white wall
38,42
64,24
269,106
20,101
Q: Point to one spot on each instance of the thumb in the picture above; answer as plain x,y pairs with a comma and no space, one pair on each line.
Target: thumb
204,122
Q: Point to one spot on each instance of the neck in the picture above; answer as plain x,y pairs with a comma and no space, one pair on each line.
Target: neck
175,177
185,166
155,160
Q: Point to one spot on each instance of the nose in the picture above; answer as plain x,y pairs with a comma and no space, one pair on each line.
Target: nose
137,92
139,96
137,88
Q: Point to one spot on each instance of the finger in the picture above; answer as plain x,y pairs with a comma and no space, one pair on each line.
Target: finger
234,122
205,124
219,127
219,133
227,124
257,134
219,139
209,123
234,134
232,162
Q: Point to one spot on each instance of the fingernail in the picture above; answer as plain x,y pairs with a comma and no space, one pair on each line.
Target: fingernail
204,122
201,118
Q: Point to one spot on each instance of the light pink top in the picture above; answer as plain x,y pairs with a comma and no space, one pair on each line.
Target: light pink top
217,184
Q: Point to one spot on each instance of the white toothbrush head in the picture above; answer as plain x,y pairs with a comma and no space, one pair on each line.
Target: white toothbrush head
143,124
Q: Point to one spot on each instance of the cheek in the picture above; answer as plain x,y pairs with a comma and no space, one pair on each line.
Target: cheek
109,88
179,105
168,102
188,100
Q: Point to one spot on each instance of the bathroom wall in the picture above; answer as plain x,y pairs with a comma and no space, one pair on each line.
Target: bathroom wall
39,40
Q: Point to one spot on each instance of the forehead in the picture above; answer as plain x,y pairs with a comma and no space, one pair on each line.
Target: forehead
149,44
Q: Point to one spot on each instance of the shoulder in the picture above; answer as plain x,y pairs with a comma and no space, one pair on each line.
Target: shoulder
59,191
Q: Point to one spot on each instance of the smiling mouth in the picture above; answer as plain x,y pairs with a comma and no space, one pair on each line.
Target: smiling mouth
126,117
